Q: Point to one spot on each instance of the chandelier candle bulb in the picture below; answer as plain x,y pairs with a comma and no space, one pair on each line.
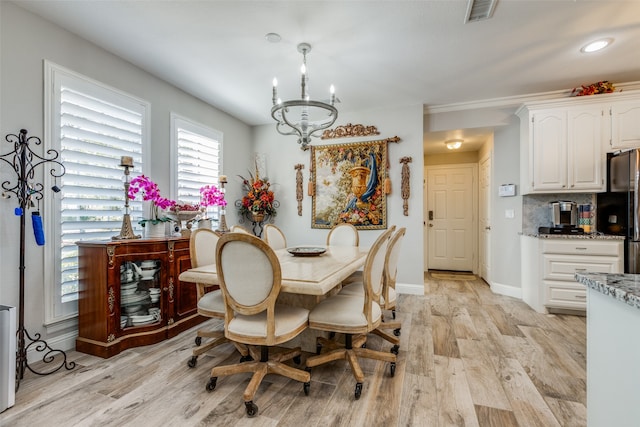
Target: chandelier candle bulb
332,91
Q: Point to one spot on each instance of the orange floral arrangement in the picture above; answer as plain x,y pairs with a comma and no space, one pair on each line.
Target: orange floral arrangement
594,89
258,196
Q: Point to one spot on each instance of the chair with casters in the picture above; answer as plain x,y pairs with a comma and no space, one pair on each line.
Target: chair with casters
202,249
356,277
355,316
343,234
250,279
388,297
274,237
239,229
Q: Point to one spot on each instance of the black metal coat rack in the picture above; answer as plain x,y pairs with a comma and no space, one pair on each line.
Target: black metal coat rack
24,161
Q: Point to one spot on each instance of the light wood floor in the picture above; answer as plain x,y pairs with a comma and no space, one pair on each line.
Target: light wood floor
467,358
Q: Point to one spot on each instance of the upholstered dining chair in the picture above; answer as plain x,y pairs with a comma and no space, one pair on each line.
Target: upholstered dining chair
355,316
274,237
239,229
388,297
250,279
202,249
343,234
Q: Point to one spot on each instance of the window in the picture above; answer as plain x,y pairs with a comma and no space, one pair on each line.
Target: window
196,151
92,126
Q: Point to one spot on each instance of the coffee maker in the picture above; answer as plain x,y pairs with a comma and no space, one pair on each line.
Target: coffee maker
564,216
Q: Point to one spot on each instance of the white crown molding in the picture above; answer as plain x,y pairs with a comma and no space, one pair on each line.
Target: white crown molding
515,101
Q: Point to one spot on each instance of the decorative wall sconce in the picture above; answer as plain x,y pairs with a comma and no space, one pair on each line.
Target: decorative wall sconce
299,192
405,185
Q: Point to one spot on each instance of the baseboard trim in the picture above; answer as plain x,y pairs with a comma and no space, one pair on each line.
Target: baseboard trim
510,291
409,288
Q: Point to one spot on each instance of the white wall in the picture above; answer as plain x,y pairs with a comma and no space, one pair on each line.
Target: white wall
283,153
25,41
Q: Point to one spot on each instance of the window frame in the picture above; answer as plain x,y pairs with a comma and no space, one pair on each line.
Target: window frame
178,122
54,309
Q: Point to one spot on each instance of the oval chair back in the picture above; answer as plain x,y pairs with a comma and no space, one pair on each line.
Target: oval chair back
250,279
239,229
391,267
343,234
202,247
373,272
274,237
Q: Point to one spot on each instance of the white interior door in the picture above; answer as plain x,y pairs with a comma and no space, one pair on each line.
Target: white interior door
451,210
484,218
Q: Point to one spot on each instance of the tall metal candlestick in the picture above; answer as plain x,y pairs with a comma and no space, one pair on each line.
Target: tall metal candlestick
126,231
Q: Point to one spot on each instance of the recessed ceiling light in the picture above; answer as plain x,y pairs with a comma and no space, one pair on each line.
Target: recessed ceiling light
273,37
596,45
453,144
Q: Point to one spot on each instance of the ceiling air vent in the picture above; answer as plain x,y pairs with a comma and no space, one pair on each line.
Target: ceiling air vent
478,10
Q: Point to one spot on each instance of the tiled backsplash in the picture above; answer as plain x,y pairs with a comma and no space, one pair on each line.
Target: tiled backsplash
536,211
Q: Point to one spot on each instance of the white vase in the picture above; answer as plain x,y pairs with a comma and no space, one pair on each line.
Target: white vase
156,230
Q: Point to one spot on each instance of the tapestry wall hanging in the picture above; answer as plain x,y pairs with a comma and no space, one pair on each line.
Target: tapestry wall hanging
349,181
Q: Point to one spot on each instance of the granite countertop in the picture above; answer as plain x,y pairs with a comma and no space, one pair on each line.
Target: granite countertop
623,287
588,236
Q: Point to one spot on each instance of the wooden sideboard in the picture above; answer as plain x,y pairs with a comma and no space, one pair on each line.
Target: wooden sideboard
130,294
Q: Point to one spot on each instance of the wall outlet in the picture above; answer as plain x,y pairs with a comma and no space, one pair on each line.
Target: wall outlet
509,213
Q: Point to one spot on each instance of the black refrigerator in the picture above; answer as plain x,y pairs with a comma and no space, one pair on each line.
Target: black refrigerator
619,208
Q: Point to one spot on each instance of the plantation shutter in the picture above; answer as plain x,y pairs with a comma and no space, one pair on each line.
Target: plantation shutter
94,135
198,160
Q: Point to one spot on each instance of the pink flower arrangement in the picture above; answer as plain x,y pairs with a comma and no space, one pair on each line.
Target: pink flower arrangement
150,192
210,195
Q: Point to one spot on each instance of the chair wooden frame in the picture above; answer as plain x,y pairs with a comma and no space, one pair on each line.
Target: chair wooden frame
356,336
239,229
388,283
263,363
199,259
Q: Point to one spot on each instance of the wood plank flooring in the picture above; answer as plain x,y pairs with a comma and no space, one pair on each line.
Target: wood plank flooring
467,358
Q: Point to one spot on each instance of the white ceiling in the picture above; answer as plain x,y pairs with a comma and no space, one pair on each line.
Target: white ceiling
376,53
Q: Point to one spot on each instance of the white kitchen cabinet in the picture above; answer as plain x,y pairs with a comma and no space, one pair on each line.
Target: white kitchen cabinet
625,124
549,265
561,149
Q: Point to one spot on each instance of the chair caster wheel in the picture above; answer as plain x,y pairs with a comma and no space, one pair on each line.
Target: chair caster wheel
364,345
358,391
306,387
396,332
252,409
393,369
211,384
395,349
198,341
192,362
297,360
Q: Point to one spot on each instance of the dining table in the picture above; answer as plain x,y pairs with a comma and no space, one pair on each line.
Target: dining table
307,278
306,273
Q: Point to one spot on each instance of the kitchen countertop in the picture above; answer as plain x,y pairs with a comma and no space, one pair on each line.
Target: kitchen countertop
588,236
623,287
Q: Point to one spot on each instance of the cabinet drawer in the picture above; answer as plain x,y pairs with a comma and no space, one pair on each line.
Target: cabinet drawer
559,295
583,247
564,267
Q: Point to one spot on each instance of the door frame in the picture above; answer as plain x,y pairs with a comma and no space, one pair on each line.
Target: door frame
474,209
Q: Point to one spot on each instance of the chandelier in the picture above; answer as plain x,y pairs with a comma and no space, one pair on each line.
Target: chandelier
303,117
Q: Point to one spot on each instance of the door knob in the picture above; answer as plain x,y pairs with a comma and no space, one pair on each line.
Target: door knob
487,228
430,225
